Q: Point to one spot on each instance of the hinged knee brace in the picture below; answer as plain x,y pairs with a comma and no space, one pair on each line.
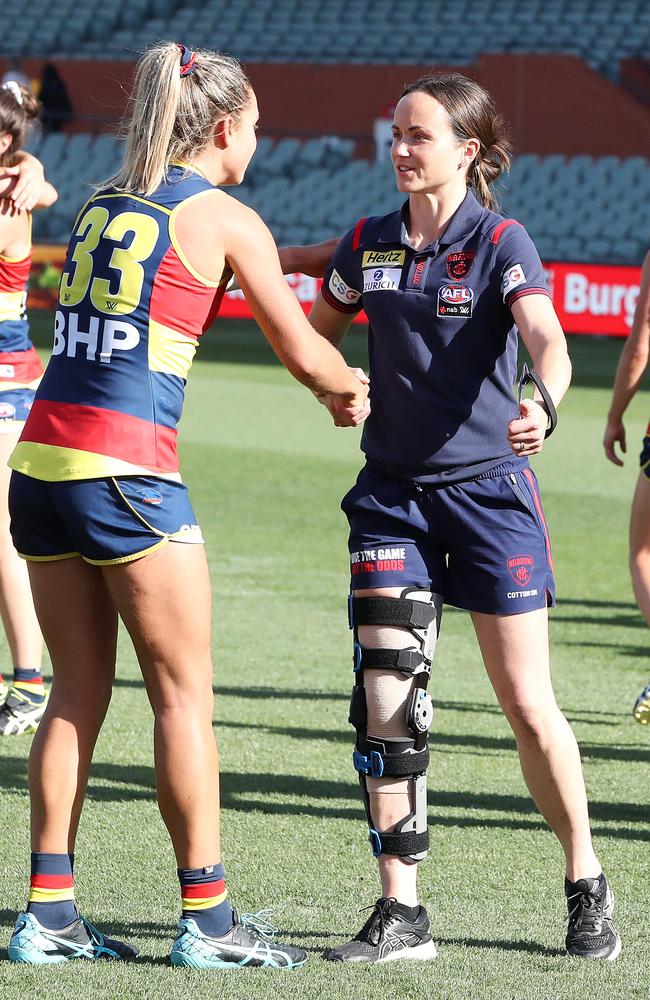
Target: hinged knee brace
418,612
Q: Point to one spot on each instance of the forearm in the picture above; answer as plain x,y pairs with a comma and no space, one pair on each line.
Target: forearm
312,259
553,365
629,373
47,196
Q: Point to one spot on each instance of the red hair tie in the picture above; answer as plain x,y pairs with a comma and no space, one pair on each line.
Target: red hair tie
188,60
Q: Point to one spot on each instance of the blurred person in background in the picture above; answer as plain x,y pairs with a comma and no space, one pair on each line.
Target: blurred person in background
22,187
629,375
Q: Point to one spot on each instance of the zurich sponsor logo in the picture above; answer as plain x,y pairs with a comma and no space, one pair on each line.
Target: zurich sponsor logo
456,294
150,496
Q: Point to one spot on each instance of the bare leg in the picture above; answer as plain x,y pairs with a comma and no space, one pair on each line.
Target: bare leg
164,600
640,545
79,623
16,604
515,652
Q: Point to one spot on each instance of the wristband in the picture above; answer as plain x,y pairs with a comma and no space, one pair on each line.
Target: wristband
528,375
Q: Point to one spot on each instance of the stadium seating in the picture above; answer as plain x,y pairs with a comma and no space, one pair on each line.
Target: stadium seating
311,190
602,32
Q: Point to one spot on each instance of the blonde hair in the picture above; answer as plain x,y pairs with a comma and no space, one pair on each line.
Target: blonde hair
18,108
472,115
174,114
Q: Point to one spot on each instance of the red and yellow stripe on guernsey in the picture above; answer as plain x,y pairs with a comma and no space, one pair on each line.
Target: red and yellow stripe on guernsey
14,272
50,888
204,896
22,369
74,441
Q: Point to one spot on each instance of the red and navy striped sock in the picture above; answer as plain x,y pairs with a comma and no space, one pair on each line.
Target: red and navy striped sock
51,890
30,683
203,891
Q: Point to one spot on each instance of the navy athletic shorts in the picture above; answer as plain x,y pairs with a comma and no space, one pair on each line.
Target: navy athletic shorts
644,457
482,544
105,521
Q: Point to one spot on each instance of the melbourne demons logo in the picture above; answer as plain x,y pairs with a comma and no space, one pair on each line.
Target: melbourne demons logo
521,569
458,264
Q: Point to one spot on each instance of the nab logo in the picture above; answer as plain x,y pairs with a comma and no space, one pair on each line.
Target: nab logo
98,343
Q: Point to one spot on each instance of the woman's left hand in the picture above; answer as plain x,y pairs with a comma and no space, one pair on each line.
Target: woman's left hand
28,177
526,434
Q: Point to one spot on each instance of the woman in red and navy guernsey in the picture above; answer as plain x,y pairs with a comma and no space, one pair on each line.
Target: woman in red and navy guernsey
22,704
447,509
98,506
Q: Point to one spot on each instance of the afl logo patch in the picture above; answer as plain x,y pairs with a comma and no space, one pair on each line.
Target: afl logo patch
455,300
458,264
521,569
150,496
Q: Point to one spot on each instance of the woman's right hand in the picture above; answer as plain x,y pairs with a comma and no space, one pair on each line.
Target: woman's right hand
349,411
614,432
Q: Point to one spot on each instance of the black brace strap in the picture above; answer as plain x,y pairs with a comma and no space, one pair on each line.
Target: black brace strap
406,661
404,765
378,764
403,844
397,611
528,375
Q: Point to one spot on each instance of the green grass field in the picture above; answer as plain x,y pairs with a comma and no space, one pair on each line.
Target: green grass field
266,471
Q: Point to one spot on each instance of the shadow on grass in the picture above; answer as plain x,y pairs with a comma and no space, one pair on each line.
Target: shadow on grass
615,648
618,621
532,947
585,602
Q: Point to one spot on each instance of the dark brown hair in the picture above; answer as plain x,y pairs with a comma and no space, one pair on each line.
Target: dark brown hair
472,115
18,107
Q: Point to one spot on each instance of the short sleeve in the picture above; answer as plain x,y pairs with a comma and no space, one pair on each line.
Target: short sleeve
519,267
343,282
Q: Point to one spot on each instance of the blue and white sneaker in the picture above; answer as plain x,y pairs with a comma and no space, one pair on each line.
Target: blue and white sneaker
37,945
248,944
641,710
20,714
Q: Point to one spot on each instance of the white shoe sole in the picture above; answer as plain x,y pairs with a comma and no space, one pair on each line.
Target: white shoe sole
420,953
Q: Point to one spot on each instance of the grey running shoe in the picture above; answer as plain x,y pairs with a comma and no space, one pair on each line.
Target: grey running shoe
248,944
388,936
641,710
19,714
34,944
591,932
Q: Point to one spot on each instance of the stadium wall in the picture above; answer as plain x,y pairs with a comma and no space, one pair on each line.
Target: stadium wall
554,103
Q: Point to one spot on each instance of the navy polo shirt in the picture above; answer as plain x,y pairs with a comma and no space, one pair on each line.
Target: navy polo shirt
442,343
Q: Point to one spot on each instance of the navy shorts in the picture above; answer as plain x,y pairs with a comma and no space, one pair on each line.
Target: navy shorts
644,457
105,521
482,544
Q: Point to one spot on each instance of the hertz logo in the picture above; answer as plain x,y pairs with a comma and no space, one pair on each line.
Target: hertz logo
377,258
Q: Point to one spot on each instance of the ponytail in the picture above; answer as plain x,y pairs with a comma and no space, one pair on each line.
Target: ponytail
178,99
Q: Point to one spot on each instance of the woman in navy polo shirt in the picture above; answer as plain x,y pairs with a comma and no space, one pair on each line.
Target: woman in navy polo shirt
447,508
